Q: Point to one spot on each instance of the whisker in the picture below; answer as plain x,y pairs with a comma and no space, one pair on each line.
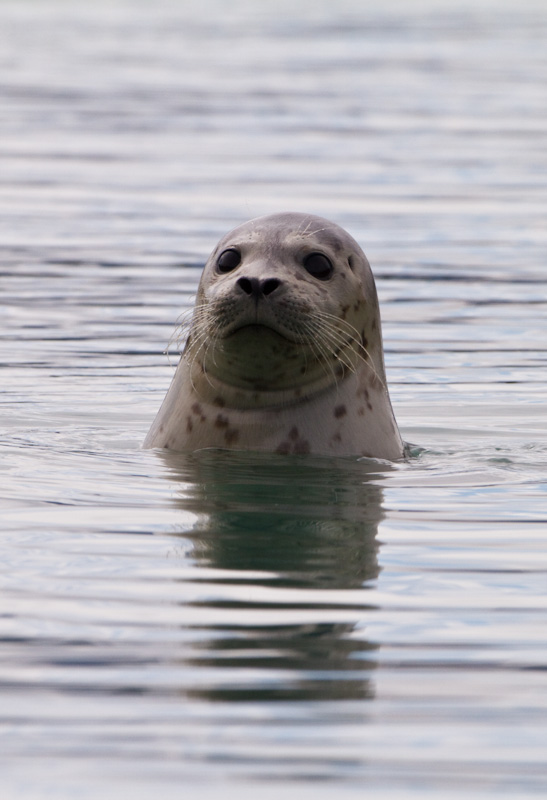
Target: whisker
361,352
322,352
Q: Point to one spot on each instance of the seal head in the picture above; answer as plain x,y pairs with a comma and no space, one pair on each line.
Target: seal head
284,351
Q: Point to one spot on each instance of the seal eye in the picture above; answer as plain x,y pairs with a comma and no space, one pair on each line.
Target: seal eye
318,265
228,260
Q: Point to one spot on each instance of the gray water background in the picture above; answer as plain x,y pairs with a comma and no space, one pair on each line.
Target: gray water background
260,626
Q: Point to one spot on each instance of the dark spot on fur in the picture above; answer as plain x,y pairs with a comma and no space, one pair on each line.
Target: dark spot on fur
344,311
189,425
283,449
293,444
302,370
373,324
340,411
221,422
161,429
369,406
336,438
231,435
361,411
218,401
357,305
198,411
364,340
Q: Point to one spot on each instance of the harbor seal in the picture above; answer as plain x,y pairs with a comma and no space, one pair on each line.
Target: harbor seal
284,352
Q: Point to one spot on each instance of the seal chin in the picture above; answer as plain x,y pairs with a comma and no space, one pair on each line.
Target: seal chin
257,357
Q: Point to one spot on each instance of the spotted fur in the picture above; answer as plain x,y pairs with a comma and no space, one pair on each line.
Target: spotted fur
279,359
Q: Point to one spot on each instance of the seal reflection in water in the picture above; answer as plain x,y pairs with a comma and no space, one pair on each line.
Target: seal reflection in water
286,550
284,352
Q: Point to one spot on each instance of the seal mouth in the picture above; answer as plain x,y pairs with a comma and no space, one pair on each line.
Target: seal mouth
255,329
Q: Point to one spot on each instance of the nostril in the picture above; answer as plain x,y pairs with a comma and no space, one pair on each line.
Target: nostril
270,285
249,285
255,287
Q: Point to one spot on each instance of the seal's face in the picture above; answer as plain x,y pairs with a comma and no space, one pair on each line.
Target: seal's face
285,302
284,351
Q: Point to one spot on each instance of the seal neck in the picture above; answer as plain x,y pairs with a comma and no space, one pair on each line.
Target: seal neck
218,392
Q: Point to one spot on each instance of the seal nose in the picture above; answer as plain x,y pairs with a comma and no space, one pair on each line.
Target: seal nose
256,288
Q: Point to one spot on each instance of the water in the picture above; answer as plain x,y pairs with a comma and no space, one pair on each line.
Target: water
235,623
